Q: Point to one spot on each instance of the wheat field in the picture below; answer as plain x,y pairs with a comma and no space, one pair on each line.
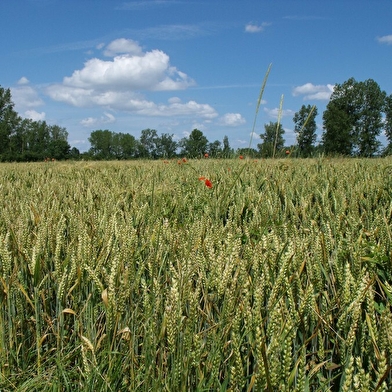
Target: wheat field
199,275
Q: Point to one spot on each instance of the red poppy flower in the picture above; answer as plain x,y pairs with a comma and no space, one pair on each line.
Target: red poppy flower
208,183
241,157
202,178
184,160
206,155
287,152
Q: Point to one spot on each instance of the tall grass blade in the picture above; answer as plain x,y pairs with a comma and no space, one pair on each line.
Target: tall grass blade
278,124
253,128
258,104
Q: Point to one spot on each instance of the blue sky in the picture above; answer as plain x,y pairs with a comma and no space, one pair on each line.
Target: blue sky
176,65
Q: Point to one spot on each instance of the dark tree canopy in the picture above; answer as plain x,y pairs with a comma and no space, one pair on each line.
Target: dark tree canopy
110,145
214,149
147,143
337,137
28,140
165,146
353,118
101,144
226,150
305,128
9,121
195,146
272,138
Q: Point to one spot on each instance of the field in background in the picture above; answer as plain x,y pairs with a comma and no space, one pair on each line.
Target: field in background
201,275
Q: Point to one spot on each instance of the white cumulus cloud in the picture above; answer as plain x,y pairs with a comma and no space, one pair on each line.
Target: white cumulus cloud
150,71
386,39
254,135
122,45
24,96
311,91
232,119
34,115
23,80
178,109
119,83
174,100
274,113
107,118
255,28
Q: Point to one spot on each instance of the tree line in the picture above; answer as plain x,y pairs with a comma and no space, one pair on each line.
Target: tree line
355,117
28,140
111,145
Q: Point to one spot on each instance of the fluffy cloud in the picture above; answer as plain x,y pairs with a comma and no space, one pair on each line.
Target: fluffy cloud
35,116
178,109
174,100
254,28
232,119
149,108
24,96
149,71
274,113
23,80
311,91
118,83
108,118
122,45
254,136
386,39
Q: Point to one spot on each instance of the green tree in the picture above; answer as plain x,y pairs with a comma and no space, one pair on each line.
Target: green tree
226,151
9,121
370,123
147,144
195,145
128,145
74,153
214,149
272,139
116,149
18,140
38,140
337,137
353,118
165,146
101,144
58,146
111,145
58,149
305,128
28,140
58,133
